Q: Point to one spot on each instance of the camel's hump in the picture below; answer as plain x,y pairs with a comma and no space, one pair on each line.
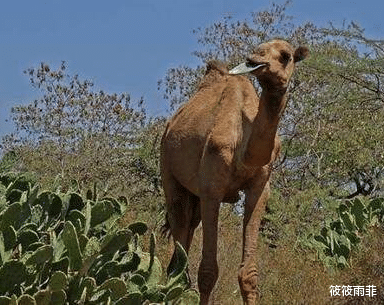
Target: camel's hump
217,66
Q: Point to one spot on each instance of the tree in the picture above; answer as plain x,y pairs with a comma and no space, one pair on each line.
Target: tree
70,112
333,127
341,94
72,132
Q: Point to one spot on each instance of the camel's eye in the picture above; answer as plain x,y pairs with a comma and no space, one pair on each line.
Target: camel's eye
260,52
285,57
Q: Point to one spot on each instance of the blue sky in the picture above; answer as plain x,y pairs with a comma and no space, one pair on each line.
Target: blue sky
127,45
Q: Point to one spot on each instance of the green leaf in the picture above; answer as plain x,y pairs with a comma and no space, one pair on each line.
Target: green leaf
138,228
88,215
138,280
23,182
130,262
337,226
74,290
43,297
87,287
26,299
12,273
353,238
15,215
178,268
341,261
83,240
56,206
116,204
181,261
133,298
101,212
29,226
76,202
34,246
13,195
324,232
116,286
152,270
154,295
41,256
113,243
359,213
10,238
332,240
50,202
348,221
376,204
71,242
27,237
61,265
321,239
58,281
37,213
173,293
100,297
92,247
109,270
58,244
32,196
58,297
152,249
344,240
188,297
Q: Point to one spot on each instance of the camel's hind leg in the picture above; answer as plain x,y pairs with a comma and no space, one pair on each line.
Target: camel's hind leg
183,214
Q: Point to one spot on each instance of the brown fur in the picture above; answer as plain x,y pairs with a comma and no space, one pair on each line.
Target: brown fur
220,142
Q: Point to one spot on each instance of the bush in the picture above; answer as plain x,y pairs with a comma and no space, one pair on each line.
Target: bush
339,237
60,247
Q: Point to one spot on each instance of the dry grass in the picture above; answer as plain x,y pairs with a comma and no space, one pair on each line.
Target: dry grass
287,274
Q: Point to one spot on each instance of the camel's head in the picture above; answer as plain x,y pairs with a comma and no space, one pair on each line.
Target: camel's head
273,63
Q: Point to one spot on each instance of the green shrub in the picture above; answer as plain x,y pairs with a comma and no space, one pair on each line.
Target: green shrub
58,248
338,237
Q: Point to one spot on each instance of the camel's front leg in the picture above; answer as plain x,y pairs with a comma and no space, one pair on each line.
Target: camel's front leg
256,197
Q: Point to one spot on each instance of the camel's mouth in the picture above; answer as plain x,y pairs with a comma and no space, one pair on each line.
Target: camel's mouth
246,67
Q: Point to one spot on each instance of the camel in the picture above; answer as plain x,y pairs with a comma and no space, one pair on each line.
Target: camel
222,141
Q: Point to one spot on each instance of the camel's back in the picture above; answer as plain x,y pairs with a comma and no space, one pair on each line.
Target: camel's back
219,103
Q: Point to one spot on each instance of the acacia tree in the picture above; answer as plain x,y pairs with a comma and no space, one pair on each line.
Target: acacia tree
75,132
333,126
342,94
70,111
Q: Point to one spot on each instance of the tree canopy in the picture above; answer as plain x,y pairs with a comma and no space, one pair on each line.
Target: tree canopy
69,111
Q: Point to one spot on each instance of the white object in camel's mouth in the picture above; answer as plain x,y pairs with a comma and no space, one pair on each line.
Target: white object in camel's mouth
245,67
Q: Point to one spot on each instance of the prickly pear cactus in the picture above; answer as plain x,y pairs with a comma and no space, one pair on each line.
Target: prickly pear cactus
71,242
61,248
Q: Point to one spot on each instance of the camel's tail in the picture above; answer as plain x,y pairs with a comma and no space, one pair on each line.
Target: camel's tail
166,228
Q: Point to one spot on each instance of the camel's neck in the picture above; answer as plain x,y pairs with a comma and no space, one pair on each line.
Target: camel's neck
262,143
273,101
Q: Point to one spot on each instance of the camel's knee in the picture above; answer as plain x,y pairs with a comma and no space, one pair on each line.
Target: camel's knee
207,277
248,283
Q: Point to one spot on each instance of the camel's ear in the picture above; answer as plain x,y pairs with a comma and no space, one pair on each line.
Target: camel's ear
300,54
